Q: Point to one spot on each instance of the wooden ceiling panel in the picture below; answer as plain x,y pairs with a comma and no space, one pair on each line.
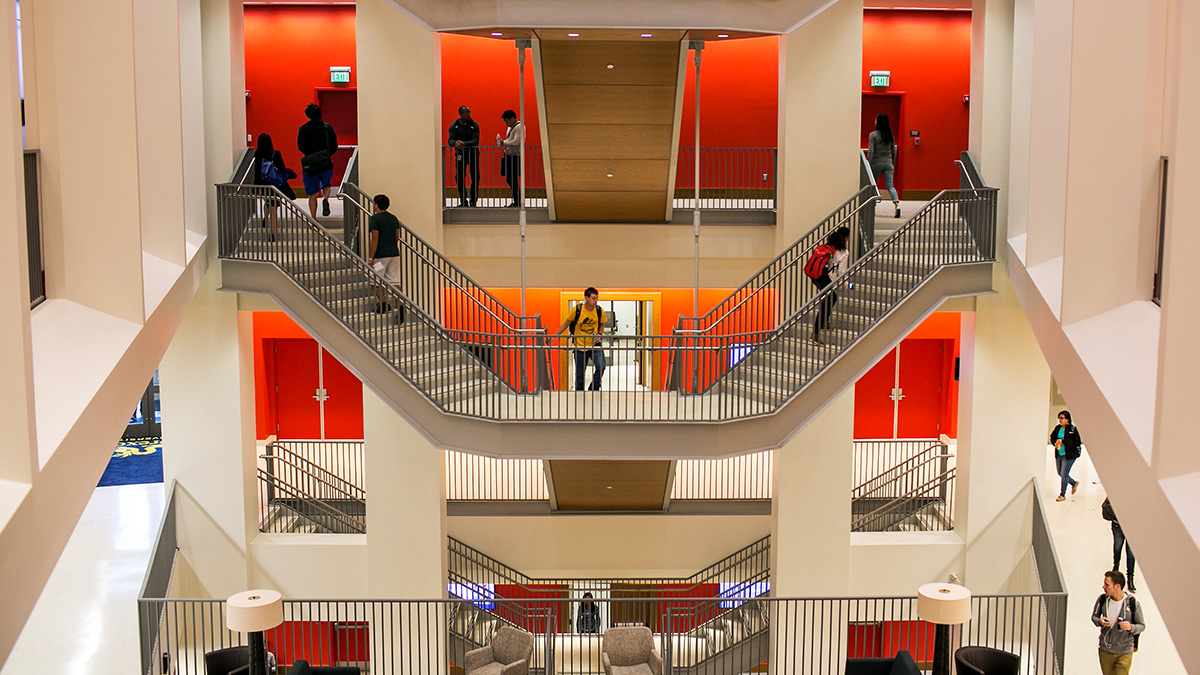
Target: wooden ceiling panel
610,485
627,175
616,141
610,207
650,63
609,104
608,35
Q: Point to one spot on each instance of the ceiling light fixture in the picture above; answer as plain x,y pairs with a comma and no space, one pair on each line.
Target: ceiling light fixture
647,35
497,34
723,35
572,34
610,66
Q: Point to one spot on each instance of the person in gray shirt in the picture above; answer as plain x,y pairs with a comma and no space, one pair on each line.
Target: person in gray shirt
1119,616
881,155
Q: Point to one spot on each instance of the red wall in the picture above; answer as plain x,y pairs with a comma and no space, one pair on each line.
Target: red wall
280,82
739,95
929,56
482,74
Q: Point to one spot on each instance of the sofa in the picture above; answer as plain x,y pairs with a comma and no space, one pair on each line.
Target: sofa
901,664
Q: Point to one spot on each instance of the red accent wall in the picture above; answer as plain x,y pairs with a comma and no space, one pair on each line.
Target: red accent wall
929,56
739,95
281,83
482,74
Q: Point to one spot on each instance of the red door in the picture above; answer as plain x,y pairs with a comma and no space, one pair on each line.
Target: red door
922,369
297,378
344,402
874,411
872,105
339,107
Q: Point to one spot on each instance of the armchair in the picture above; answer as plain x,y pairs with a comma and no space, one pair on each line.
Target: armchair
901,664
630,651
233,661
301,667
508,654
973,660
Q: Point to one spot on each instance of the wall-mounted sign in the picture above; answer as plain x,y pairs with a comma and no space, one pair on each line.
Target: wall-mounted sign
339,74
881,78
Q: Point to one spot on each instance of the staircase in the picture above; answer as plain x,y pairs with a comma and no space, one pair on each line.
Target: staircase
298,495
468,366
916,494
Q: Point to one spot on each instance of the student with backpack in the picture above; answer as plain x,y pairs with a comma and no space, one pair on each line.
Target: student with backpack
269,170
827,262
1119,616
586,322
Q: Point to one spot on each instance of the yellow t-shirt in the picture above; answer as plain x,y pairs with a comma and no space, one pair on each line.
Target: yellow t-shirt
588,324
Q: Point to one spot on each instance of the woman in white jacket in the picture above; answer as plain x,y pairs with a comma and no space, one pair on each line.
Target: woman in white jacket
836,267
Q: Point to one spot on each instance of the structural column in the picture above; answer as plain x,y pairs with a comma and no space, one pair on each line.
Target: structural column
820,101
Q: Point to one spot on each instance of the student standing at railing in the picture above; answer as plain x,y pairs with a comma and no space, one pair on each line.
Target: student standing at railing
385,252
587,322
464,138
589,615
510,163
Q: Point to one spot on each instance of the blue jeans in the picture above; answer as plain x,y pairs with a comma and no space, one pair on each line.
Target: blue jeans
1118,544
581,359
1064,471
877,169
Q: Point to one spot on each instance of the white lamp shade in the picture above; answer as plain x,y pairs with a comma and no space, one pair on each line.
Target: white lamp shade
944,604
253,611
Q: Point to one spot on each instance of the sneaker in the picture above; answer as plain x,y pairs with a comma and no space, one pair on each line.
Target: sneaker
1074,487
325,207
1061,499
897,211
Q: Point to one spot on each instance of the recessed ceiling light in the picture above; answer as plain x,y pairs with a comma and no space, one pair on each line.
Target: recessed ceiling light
572,34
647,35
609,175
497,34
609,487
723,35
610,66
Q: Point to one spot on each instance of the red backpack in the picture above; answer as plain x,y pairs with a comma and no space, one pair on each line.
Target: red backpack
818,261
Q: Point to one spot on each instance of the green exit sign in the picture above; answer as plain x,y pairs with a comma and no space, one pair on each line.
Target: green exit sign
339,74
881,78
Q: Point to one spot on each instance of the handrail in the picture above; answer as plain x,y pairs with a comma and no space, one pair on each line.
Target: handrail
286,461
965,173
769,280
910,460
293,491
877,513
902,474
278,445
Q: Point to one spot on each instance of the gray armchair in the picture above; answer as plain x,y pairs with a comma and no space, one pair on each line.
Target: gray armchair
508,654
630,651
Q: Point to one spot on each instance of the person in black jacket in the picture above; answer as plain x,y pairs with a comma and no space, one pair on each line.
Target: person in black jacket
464,138
268,169
1067,448
589,615
317,141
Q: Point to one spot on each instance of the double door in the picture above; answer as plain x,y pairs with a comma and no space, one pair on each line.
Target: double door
314,395
906,394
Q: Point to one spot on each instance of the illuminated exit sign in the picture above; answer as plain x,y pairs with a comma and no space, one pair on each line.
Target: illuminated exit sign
339,74
881,78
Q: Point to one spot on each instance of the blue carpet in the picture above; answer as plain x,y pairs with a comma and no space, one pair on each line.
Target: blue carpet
135,461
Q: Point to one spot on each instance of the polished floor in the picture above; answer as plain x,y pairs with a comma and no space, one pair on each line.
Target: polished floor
86,621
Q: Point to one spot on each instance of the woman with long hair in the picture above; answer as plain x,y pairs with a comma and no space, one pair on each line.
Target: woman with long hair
269,170
836,267
1067,448
881,155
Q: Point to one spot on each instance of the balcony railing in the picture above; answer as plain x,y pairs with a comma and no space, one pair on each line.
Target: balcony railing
312,486
734,179
493,190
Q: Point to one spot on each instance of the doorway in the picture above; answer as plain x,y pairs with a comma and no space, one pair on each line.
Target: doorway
631,364
872,105
314,395
146,420
339,107
906,394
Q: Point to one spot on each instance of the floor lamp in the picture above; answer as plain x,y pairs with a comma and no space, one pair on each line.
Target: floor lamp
943,605
253,612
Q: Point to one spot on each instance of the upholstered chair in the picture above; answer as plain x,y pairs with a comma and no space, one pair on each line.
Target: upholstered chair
630,650
508,654
974,660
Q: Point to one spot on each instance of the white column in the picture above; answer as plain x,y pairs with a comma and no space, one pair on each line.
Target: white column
406,507
810,541
1004,387
207,385
1115,140
820,71
89,142
991,100
224,73
18,459
399,107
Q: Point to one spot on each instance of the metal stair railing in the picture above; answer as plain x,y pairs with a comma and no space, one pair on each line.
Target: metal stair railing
419,349
312,475
956,227
445,292
311,508
901,508
774,293
888,476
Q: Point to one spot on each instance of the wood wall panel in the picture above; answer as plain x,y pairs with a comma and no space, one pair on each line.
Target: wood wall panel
602,485
611,207
628,175
651,63
610,141
609,104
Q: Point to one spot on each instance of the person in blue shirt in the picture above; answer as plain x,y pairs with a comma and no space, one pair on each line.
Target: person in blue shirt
1067,448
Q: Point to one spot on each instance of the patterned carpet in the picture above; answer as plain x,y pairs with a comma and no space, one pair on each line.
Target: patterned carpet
134,461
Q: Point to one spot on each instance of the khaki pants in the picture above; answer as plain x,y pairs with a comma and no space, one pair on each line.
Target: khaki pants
1115,664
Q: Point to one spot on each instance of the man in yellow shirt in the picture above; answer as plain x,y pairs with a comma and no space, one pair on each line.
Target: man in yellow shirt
586,323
